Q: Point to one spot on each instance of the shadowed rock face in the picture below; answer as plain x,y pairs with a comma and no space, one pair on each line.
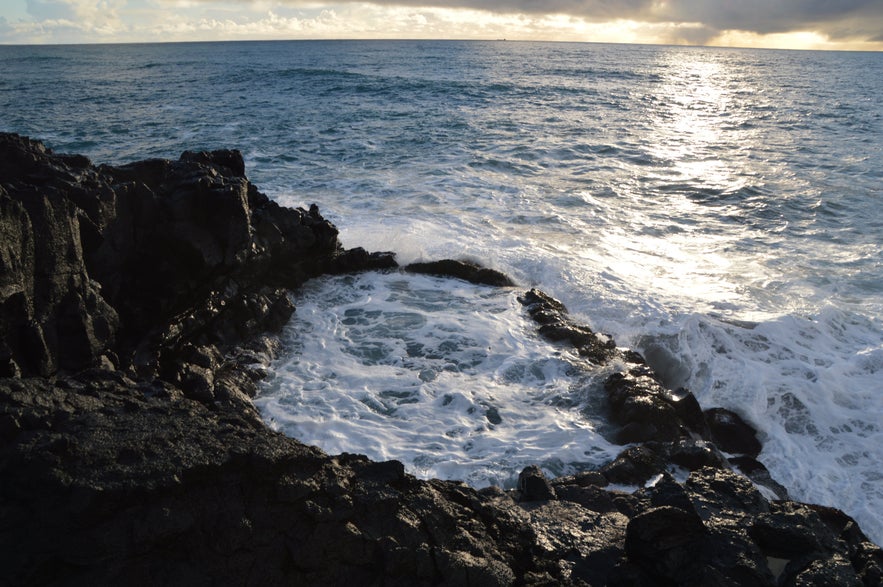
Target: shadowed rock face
108,265
133,306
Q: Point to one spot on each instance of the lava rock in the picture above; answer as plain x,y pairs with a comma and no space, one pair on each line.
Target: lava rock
634,466
695,454
534,486
664,541
731,433
642,407
465,270
556,326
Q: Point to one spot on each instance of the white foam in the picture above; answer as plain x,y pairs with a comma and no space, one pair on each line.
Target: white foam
812,388
447,377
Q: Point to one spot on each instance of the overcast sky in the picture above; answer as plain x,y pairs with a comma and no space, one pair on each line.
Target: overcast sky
803,24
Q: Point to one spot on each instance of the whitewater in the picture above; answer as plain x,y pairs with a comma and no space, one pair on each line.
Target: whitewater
716,209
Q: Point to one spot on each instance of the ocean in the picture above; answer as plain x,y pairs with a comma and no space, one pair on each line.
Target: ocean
718,210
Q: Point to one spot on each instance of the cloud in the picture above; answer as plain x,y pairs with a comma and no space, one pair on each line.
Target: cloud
780,16
842,19
808,23
95,15
51,10
592,9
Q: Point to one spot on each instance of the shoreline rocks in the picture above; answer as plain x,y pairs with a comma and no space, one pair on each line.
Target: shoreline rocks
135,307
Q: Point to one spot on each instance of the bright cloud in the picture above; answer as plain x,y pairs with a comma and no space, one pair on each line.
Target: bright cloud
846,24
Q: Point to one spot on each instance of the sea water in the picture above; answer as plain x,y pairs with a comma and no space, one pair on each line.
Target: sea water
717,209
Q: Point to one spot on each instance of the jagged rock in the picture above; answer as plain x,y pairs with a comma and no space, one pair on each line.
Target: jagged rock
689,411
586,545
634,466
695,454
643,407
178,250
534,486
757,472
731,433
464,270
555,325
788,531
52,313
663,541
130,451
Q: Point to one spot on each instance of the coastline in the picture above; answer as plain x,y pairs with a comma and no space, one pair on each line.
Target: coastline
138,304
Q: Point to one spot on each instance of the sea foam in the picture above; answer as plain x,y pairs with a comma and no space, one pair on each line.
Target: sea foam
447,377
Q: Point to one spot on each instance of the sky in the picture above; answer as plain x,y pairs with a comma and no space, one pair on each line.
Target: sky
792,24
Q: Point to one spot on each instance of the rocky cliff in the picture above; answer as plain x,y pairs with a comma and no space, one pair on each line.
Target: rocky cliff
137,305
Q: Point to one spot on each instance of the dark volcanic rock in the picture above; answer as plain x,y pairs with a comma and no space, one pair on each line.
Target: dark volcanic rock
96,264
133,302
663,541
643,407
464,270
695,454
731,433
634,466
533,485
556,325
52,312
757,472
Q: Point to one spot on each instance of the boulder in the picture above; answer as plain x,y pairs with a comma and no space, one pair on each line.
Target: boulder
731,433
643,407
534,486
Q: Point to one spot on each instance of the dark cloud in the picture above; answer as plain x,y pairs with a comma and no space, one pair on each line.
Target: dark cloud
841,19
779,16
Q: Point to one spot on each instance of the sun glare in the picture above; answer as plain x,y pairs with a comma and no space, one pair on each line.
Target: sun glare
694,96
794,40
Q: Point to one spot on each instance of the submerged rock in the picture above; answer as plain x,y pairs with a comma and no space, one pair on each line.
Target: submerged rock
133,306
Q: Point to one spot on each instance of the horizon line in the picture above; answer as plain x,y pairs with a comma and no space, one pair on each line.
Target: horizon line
437,39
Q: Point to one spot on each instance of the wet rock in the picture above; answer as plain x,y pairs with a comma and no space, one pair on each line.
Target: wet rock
643,408
731,433
695,454
757,472
465,270
634,466
534,486
542,307
556,326
689,411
